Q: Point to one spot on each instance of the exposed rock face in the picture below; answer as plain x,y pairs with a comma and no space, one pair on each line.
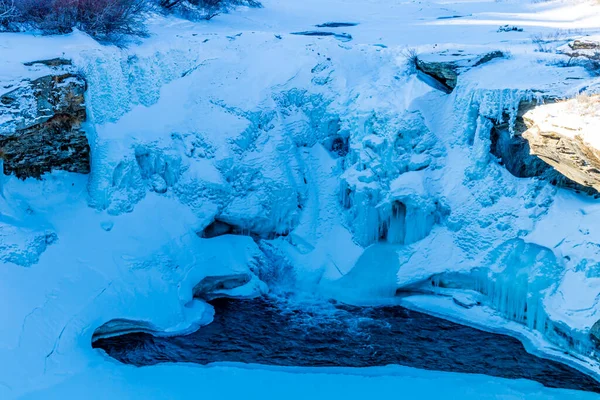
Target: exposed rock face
40,124
564,135
595,334
445,67
582,48
513,150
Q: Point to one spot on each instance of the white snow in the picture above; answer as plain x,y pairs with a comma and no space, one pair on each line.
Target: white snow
255,382
225,120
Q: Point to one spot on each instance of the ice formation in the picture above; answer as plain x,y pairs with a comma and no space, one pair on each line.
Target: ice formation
515,280
222,154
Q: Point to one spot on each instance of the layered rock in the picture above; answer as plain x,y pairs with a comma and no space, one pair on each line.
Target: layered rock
512,149
445,67
582,48
565,135
40,123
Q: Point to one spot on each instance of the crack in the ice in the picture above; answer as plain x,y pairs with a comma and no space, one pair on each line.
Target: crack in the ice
48,298
56,343
25,321
55,346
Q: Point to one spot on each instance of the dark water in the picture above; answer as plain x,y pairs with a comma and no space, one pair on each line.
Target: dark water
270,332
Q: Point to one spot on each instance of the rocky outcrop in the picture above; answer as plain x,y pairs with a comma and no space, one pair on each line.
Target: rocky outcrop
40,123
512,150
565,135
586,48
595,334
445,67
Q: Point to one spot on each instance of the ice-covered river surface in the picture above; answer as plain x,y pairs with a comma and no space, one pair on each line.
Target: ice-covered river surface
283,333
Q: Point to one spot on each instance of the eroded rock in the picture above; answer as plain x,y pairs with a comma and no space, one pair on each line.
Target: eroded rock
514,153
564,135
512,149
586,48
445,67
40,124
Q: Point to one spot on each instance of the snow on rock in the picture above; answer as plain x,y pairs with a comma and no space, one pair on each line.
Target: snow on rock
230,265
588,48
223,267
23,246
40,122
231,154
446,66
564,135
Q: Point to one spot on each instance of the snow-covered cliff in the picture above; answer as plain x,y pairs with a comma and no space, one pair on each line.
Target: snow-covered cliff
234,150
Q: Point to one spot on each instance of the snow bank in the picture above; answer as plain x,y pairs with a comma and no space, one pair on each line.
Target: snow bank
329,161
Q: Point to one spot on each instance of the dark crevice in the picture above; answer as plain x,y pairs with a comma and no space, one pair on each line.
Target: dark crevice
435,82
219,228
337,146
336,25
340,36
514,153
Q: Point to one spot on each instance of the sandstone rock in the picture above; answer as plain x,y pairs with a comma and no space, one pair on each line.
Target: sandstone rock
582,48
514,153
513,150
445,67
40,124
565,135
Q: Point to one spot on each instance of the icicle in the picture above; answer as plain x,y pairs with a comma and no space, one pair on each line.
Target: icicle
396,231
419,222
515,279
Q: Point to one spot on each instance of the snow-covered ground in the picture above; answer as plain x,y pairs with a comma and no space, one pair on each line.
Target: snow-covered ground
240,120
257,382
